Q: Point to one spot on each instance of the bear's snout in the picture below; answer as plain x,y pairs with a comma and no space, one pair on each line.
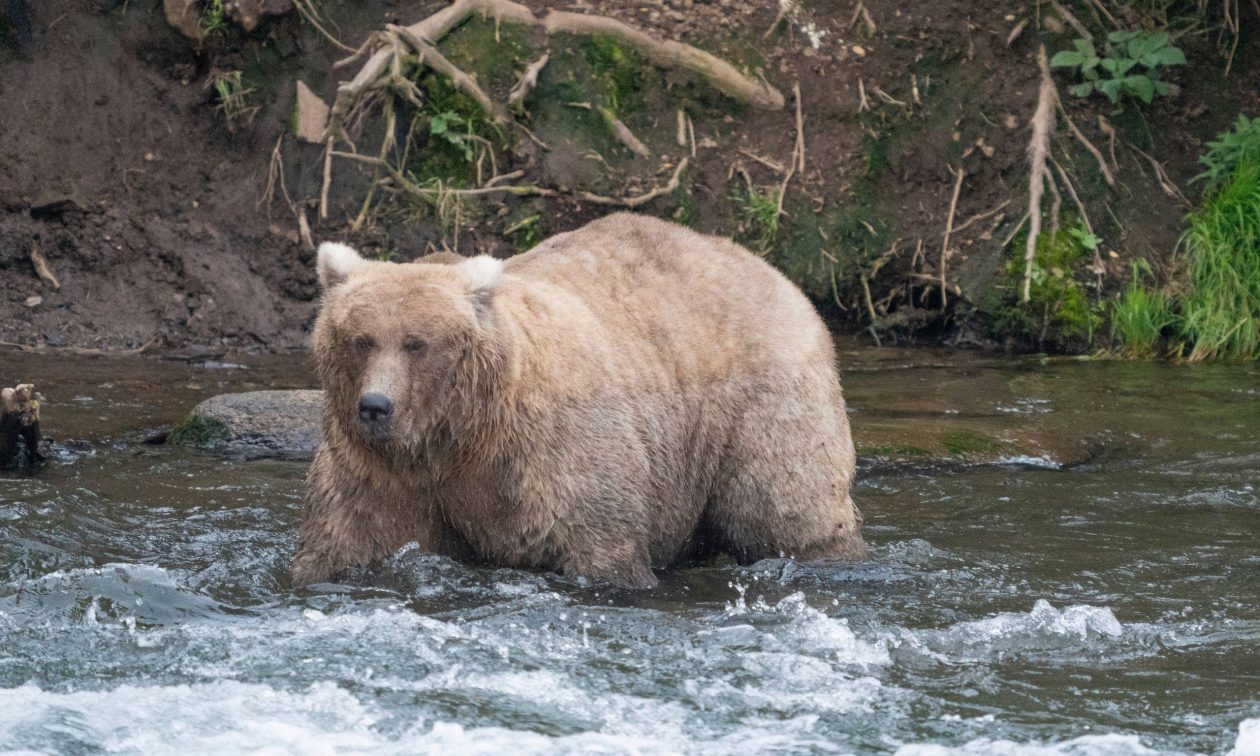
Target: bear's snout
375,409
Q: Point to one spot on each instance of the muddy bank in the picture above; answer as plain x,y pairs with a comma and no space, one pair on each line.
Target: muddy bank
147,201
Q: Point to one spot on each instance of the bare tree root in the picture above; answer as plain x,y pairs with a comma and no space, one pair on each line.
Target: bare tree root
527,83
949,228
1166,184
617,128
382,66
1038,151
1099,268
1098,156
641,199
388,75
670,54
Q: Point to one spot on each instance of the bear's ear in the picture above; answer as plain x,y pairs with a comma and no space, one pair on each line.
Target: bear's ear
336,263
482,272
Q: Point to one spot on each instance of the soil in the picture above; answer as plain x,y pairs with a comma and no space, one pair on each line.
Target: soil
151,209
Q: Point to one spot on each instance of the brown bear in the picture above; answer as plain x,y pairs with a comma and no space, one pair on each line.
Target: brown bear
624,397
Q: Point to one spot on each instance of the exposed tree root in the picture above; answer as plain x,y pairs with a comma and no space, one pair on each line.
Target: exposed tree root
949,228
641,199
1098,156
382,67
388,75
1038,152
527,83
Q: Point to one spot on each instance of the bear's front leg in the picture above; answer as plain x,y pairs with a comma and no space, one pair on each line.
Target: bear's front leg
356,513
622,566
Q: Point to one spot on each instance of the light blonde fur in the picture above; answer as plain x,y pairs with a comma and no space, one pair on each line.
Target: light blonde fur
628,396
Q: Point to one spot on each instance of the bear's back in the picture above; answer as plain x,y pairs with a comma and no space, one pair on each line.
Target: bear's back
700,300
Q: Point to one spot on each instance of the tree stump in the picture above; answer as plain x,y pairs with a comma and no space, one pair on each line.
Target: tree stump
19,428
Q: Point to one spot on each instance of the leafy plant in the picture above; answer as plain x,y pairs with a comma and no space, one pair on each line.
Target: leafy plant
213,20
1130,65
1231,148
455,130
1141,315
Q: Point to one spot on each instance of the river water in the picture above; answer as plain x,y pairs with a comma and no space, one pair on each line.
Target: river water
1107,606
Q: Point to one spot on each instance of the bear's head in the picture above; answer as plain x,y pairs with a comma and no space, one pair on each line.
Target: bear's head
394,342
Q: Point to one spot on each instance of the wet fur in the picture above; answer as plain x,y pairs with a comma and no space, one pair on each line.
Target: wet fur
624,397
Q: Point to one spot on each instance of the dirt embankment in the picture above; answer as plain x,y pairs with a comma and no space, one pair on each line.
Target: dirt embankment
120,169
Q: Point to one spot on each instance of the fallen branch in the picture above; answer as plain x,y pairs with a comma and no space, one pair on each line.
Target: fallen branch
1038,151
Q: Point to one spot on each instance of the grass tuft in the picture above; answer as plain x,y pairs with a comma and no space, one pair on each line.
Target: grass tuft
759,215
1221,311
1141,317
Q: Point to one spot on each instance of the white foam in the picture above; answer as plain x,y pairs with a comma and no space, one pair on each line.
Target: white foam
1087,745
1045,628
218,717
1248,742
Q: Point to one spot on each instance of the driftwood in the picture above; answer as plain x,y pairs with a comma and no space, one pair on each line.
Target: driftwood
19,428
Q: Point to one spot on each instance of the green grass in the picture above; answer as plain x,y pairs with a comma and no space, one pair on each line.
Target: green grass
213,19
1141,317
758,215
1221,311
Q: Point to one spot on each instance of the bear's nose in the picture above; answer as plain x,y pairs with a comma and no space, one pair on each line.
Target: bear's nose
375,408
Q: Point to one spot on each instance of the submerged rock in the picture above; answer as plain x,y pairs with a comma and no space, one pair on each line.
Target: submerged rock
255,424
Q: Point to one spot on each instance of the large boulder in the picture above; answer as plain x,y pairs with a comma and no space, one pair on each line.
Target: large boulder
255,424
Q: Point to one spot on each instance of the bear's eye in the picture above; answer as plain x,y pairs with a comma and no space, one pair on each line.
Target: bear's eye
362,343
415,346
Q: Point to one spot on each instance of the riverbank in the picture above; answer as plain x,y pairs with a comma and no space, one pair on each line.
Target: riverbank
154,192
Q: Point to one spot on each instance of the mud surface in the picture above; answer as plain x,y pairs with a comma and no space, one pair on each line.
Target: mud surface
151,209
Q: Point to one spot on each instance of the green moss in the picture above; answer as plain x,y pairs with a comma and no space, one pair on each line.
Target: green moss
963,443
1060,311
893,451
493,56
198,431
619,72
